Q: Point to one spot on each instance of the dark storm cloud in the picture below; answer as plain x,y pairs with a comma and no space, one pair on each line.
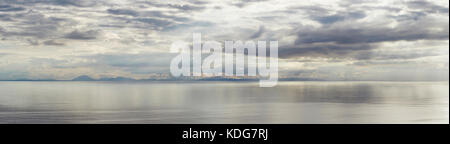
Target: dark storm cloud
5,17
386,62
244,3
428,7
370,34
47,42
329,19
312,10
413,26
352,39
76,3
353,43
324,50
53,43
123,12
198,2
396,56
82,35
8,8
327,16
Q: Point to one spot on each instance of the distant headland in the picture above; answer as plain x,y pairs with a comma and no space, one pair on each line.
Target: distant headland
215,78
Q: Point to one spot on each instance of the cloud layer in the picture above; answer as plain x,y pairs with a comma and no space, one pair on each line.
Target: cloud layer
331,40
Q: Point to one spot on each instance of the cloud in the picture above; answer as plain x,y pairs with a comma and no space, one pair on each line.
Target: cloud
53,43
320,39
426,6
76,3
123,12
329,19
82,35
348,34
155,23
155,20
8,8
324,50
344,35
258,33
186,6
244,3
34,25
33,42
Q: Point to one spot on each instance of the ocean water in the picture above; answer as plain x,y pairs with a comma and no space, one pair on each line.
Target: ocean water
224,102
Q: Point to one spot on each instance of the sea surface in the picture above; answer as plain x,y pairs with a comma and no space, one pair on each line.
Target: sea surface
224,102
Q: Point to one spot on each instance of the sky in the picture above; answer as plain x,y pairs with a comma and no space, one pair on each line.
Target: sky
327,39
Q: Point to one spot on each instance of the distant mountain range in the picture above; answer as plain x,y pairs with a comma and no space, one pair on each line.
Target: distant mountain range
83,78
88,78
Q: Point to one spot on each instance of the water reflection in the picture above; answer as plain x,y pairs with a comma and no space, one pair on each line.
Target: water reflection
223,102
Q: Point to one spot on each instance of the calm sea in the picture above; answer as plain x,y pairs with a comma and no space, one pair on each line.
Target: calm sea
224,102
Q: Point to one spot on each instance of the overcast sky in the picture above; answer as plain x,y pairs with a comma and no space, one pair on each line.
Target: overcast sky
326,39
